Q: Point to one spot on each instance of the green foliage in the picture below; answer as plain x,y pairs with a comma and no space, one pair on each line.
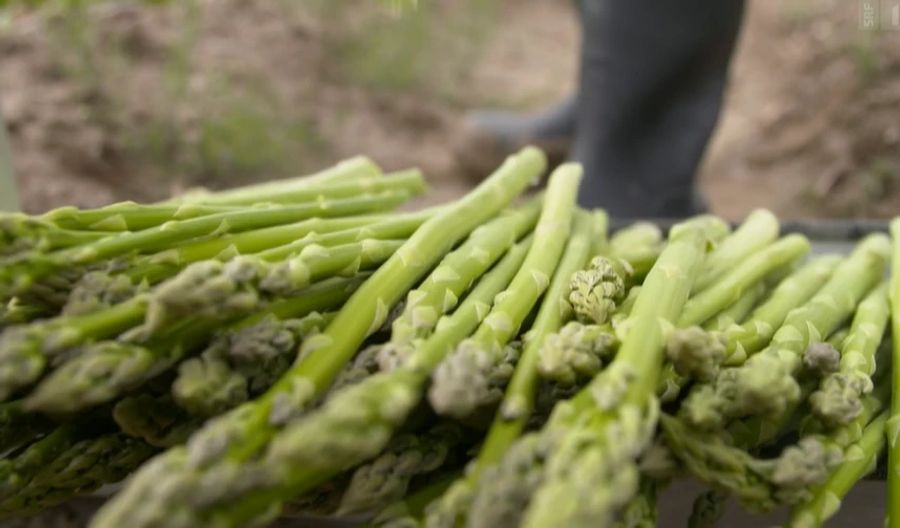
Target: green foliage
421,46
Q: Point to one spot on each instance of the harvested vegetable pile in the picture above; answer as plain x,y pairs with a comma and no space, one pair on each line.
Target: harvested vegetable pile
492,362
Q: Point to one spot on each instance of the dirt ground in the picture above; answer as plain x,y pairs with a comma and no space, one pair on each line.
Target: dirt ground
810,126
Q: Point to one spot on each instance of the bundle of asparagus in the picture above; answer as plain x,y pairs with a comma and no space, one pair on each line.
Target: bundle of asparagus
295,346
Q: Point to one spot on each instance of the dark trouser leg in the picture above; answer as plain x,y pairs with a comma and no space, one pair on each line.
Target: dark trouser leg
652,77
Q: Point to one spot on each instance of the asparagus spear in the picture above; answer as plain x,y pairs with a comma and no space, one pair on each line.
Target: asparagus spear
106,369
892,428
275,243
693,352
750,337
408,512
100,289
358,169
860,459
760,484
596,291
519,399
352,426
17,471
25,350
130,216
386,478
735,282
840,394
223,443
707,509
472,378
154,419
591,470
576,353
22,275
737,313
758,230
355,169
579,467
440,292
741,340
81,468
242,363
764,384
638,244
220,290
21,233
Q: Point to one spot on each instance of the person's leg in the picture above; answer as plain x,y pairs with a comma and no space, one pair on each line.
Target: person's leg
652,77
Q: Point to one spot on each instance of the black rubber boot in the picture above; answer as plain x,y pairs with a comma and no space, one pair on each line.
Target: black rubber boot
652,78
489,136
512,130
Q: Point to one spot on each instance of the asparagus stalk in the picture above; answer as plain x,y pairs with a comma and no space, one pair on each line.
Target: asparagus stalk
408,512
519,399
242,363
576,353
735,282
275,243
707,509
352,426
81,468
118,217
758,230
742,340
23,275
579,467
21,233
840,394
638,244
25,350
754,334
591,469
106,369
472,378
386,479
17,471
737,313
596,291
130,216
18,428
892,428
760,484
154,419
693,352
220,290
440,292
764,384
243,432
355,169
860,459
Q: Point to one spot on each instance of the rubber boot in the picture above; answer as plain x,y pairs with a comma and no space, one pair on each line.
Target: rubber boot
653,74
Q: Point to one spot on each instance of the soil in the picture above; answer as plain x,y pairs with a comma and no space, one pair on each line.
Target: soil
809,129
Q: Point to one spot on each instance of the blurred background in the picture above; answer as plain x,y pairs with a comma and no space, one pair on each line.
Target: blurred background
114,100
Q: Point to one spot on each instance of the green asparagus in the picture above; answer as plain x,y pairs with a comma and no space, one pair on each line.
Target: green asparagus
243,432
472,378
